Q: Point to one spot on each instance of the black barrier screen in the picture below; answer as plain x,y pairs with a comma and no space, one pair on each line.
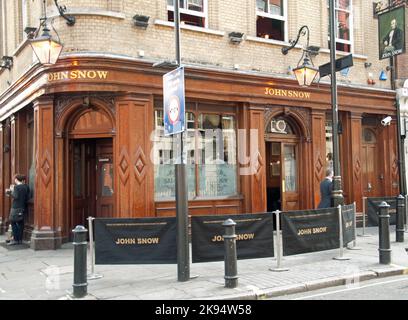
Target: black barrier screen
372,210
135,241
254,236
348,214
310,231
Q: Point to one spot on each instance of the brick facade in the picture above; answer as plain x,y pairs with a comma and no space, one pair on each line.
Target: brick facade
107,27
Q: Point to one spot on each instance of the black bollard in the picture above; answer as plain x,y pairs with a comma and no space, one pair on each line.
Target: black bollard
80,285
384,233
230,256
399,228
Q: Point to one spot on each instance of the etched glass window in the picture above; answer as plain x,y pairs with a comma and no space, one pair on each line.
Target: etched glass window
217,170
166,152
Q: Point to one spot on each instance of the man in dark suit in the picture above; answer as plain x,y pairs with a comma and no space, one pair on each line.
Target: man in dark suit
326,187
394,39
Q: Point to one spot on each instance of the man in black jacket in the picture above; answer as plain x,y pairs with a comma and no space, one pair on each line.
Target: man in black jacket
20,194
326,187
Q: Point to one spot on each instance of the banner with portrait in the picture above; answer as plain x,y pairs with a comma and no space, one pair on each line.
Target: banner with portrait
391,33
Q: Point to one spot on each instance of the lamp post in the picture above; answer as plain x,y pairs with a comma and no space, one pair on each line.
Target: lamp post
337,193
183,254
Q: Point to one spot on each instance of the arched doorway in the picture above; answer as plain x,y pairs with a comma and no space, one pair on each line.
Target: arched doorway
89,163
283,170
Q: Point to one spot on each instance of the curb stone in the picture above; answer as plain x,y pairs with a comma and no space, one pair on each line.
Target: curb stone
314,285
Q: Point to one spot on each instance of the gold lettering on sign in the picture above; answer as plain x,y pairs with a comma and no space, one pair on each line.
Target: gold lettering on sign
243,236
77,75
287,93
123,241
302,232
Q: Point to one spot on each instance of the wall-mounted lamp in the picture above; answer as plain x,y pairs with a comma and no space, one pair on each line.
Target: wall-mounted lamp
45,47
6,62
305,72
236,37
141,21
62,9
367,64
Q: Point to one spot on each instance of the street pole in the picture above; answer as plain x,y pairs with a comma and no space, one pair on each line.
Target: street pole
183,256
337,193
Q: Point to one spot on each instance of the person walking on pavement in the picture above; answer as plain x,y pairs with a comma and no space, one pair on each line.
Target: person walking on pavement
326,187
20,193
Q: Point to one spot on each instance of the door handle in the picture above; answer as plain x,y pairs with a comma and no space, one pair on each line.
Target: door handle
369,187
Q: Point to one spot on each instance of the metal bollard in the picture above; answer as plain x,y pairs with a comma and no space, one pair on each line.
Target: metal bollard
230,256
399,228
384,233
80,249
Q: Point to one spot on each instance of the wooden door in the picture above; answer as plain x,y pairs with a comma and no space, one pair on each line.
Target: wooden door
372,186
282,176
290,177
104,178
83,186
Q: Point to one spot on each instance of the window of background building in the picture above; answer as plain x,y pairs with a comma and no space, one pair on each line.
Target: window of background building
271,19
210,153
344,30
192,12
2,29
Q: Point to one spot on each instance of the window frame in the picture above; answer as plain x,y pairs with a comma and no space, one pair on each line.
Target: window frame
283,18
351,26
197,110
203,14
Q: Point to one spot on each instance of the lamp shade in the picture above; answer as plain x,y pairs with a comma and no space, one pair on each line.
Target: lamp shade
305,74
45,48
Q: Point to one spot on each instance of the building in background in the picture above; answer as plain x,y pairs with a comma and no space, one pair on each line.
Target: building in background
88,130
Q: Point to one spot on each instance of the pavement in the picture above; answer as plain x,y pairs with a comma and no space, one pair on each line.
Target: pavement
26,274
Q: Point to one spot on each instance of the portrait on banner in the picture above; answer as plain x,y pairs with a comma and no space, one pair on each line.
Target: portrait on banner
391,33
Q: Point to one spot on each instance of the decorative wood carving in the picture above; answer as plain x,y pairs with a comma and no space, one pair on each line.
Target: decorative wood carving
124,163
140,165
63,101
319,165
46,168
258,166
302,116
357,169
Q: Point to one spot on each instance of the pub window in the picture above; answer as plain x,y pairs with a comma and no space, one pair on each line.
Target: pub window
271,19
30,138
210,153
344,19
329,144
165,155
369,136
192,12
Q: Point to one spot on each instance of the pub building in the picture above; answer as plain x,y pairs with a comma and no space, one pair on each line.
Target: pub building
88,133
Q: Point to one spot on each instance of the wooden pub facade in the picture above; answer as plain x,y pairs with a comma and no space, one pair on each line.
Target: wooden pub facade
88,134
